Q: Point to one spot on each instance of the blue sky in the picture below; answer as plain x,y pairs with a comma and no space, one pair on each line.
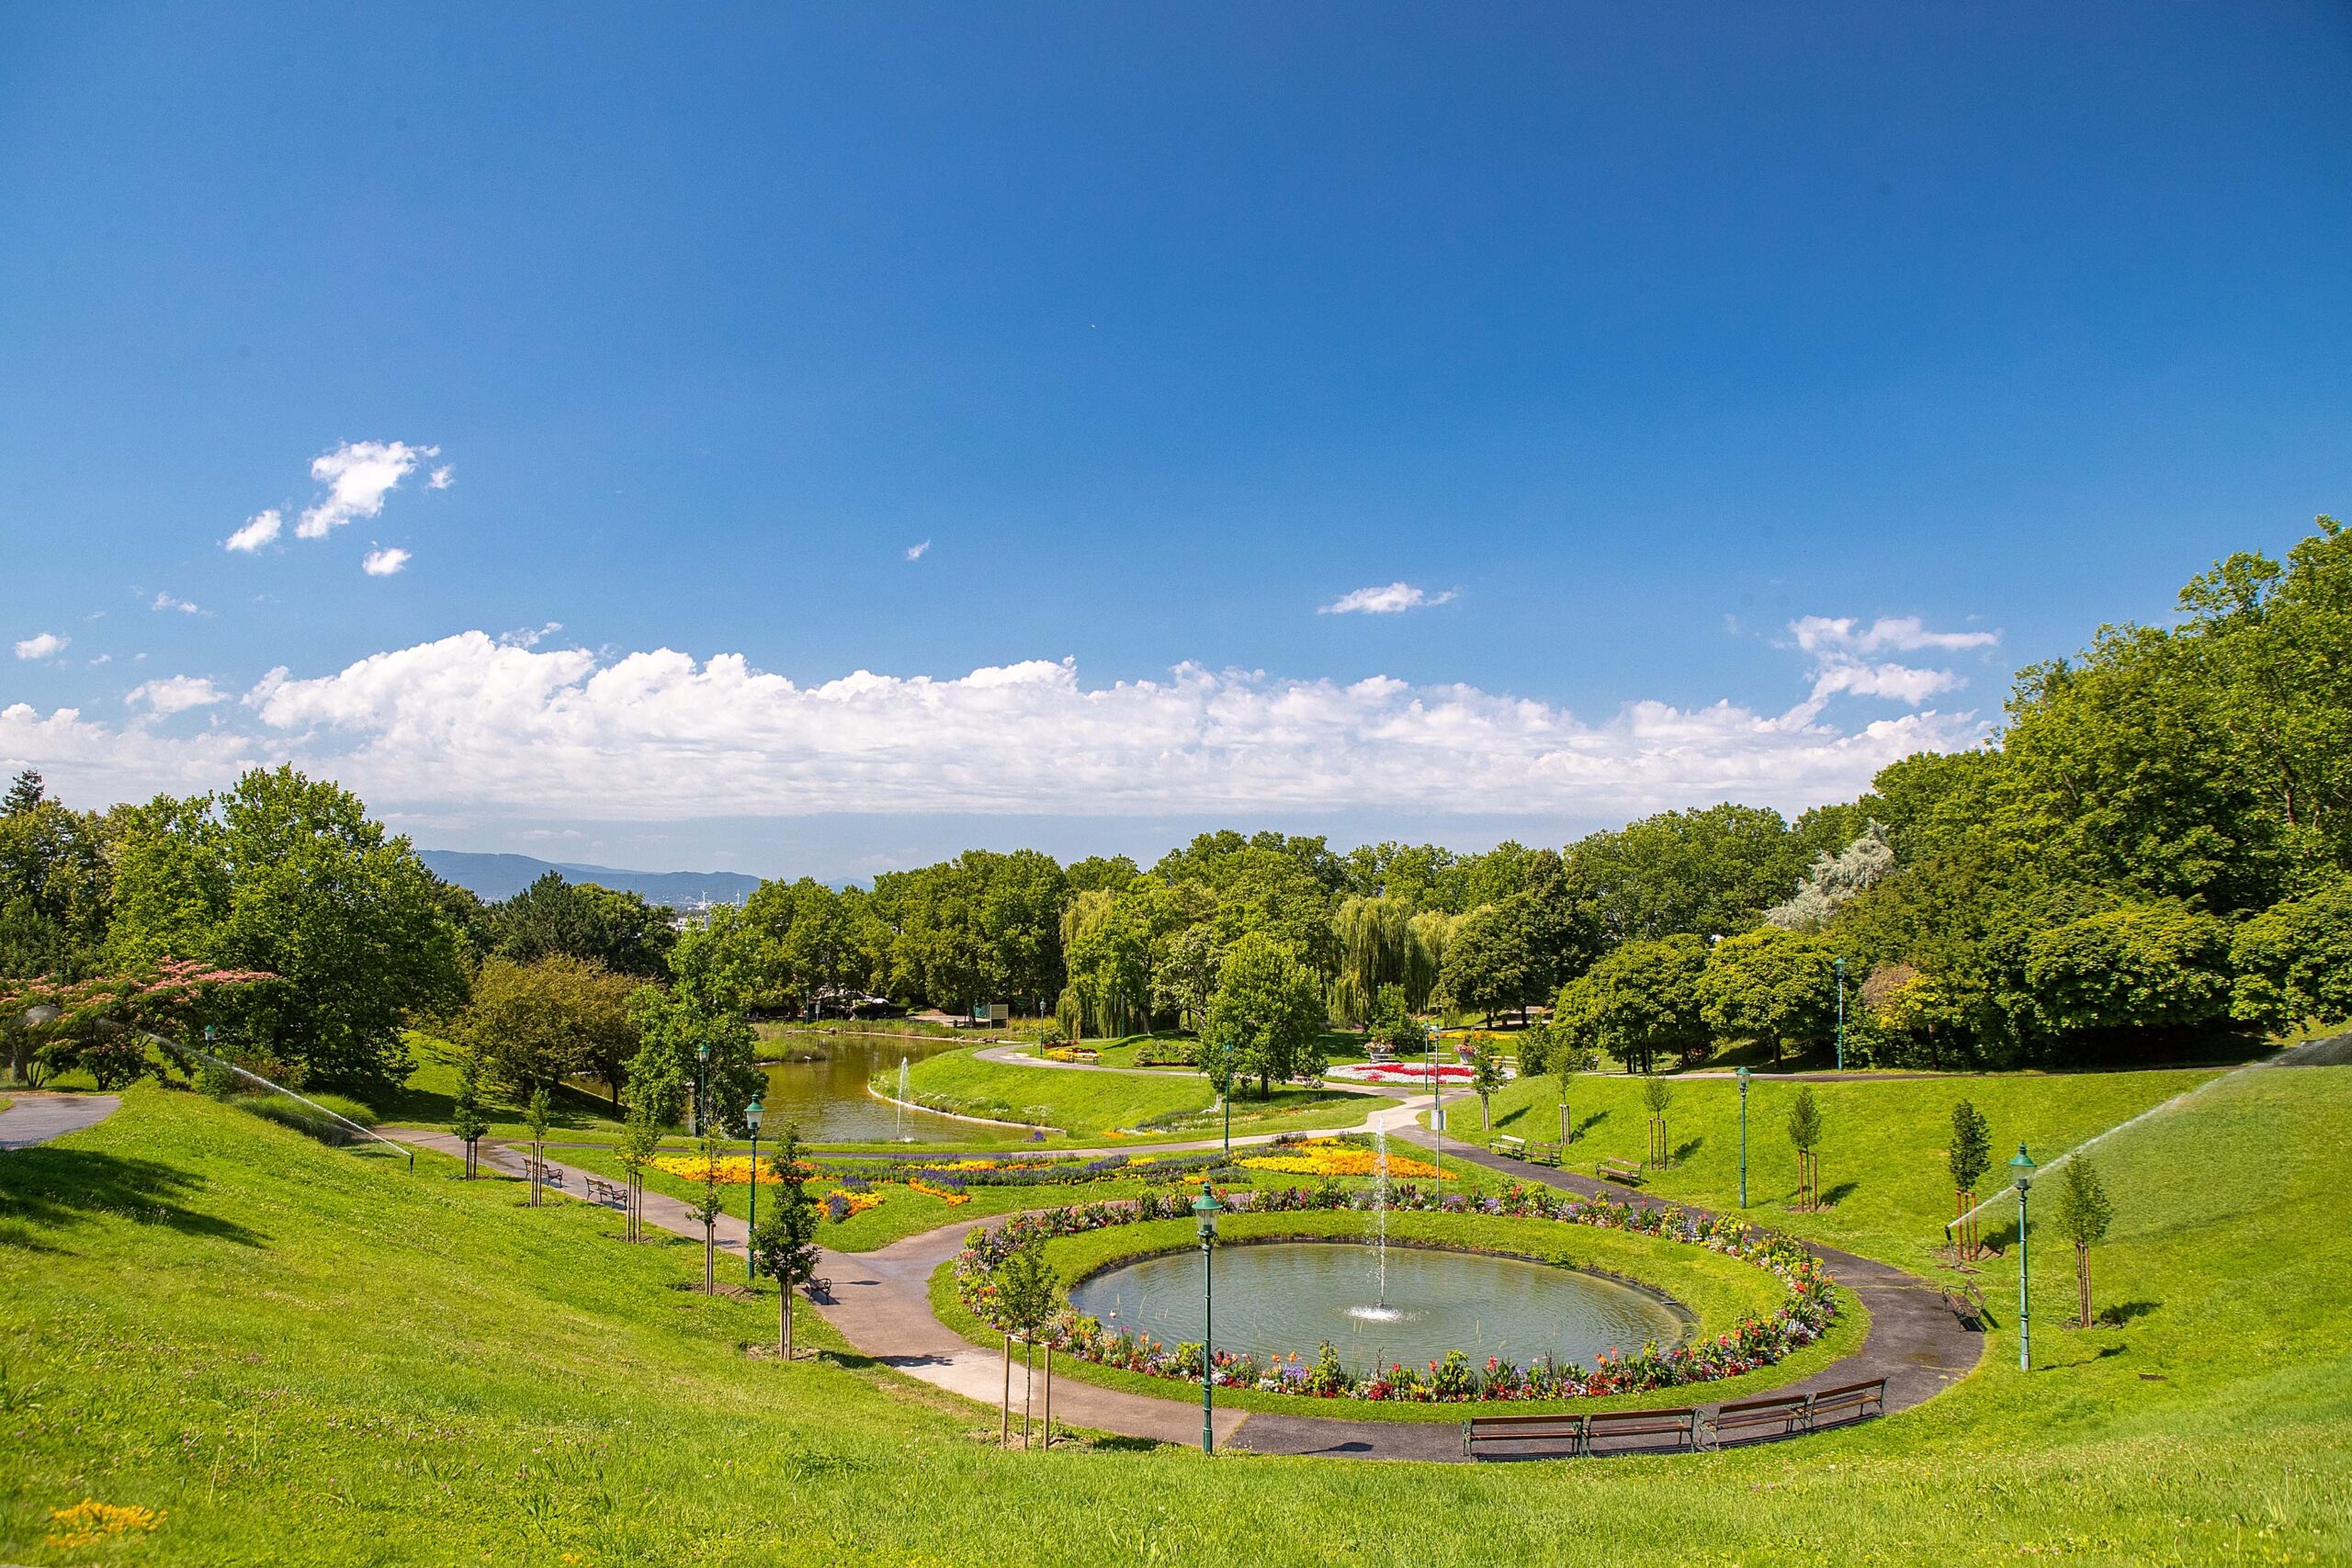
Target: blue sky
1627,344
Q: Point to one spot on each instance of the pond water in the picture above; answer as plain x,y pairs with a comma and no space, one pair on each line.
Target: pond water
822,1087
1288,1297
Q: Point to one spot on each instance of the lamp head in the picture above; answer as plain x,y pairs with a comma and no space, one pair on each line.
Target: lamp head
2024,1167
752,1114
1206,1208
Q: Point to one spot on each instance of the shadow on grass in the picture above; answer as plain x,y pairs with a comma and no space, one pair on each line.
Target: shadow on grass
1589,1123
1839,1194
51,1188
2118,1313
1682,1152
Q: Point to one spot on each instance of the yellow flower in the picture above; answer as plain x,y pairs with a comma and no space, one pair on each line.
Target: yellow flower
89,1522
1325,1158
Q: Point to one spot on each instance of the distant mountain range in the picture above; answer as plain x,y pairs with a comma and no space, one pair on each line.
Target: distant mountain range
502,877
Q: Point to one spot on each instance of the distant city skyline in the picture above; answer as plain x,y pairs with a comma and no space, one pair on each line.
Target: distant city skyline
813,444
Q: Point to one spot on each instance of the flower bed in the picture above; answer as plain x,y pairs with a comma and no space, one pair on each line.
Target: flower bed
1802,1316
1329,1157
1400,1073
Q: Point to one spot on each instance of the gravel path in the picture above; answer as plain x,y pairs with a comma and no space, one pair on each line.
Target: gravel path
38,1118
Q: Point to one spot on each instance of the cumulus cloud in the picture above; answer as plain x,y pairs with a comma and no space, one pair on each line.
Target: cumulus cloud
384,562
472,723
259,530
42,645
1899,634
165,601
359,476
916,552
174,694
441,477
1391,600
1902,682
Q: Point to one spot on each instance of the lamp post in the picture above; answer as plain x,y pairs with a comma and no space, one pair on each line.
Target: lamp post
702,1089
1437,1107
1743,1137
1206,1208
2023,1166
1841,1012
752,1114
1227,1097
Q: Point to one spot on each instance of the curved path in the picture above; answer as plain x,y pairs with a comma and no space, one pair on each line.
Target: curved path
880,1302
37,1118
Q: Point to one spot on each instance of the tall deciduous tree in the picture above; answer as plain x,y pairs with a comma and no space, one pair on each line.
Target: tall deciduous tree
288,875
1771,985
1639,999
673,1031
1267,1012
784,1247
533,1025
553,918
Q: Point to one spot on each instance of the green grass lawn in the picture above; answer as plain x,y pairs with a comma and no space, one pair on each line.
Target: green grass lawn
1719,1289
1113,1108
303,1355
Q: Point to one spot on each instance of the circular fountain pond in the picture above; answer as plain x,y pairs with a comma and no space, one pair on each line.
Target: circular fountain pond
1286,1298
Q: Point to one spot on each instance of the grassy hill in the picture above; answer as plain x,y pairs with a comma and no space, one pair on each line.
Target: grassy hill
303,1355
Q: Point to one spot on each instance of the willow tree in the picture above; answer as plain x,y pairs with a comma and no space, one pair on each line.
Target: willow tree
1376,950
1431,930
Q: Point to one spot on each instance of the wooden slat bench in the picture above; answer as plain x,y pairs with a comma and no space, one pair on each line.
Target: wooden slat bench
817,1290
1506,1145
1850,1402
549,1175
1624,1172
1683,1425
1971,1312
1544,1153
1568,1429
603,1192
1778,1417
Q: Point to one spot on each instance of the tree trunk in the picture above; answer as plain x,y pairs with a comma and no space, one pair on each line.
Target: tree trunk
1049,1394
709,1257
784,1320
1485,1112
1028,1386
2083,1280
1004,1424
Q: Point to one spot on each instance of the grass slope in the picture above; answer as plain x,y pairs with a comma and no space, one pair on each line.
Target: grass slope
303,1355
1094,1108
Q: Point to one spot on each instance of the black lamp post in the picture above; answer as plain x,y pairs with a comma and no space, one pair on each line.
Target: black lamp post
1206,1208
1841,1012
1743,1137
752,1114
2023,1165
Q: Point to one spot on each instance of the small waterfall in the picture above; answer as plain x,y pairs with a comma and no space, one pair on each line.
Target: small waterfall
902,1099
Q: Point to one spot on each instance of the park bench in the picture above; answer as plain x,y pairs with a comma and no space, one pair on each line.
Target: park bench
1683,1425
603,1192
1623,1172
1506,1145
549,1175
1544,1153
1778,1417
1568,1429
819,1290
1850,1402
1968,1308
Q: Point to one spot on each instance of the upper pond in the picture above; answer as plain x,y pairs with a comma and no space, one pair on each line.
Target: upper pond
822,1086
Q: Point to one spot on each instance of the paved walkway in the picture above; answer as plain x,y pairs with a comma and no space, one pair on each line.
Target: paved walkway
37,1118
880,1302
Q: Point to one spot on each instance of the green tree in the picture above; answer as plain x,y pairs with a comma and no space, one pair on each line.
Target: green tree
640,1141
784,1247
56,885
466,1122
1568,1058
2083,1215
1639,999
1486,1076
286,874
1704,873
553,918
2293,961
1772,985
1267,1013
535,1117
1029,1297
672,1030
533,1025
1656,1096
707,1205
1804,1136
2142,967
1968,1158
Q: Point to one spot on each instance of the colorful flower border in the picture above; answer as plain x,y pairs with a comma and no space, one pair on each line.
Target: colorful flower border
1802,1316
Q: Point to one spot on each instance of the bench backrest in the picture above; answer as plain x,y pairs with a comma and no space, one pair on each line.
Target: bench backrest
1762,1408
1628,1417
1481,1423
1853,1393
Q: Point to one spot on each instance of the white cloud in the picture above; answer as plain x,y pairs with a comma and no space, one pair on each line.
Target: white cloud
469,725
441,477
1391,600
530,638
359,476
916,552
1901,634
165,601
384,562
175,693
1902,682
42,645
259,530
